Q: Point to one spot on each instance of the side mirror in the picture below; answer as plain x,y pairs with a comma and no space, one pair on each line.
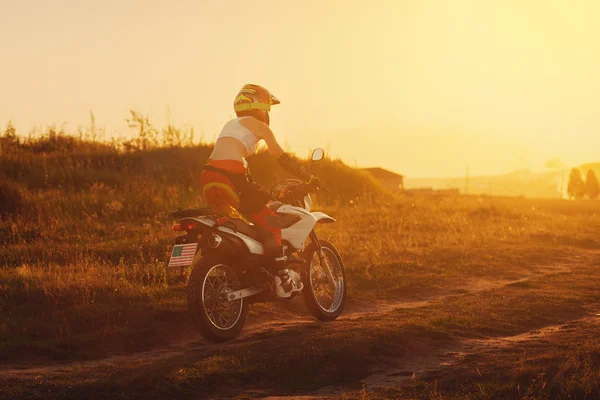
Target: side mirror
317,154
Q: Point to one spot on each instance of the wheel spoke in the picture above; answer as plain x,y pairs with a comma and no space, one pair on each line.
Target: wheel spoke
222,313
327,294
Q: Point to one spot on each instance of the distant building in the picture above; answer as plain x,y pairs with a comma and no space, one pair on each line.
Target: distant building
389,179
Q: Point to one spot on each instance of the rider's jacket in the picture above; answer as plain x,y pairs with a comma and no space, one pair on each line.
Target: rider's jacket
236,130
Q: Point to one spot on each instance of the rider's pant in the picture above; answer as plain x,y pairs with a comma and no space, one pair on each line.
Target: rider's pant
222,196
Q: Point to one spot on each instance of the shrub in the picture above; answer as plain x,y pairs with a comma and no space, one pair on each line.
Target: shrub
12,200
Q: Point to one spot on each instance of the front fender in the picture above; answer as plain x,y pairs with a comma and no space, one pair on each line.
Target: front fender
323,218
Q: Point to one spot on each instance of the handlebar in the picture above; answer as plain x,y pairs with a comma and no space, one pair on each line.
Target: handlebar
294,189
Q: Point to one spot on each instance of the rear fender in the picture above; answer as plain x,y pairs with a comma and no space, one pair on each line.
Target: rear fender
202,223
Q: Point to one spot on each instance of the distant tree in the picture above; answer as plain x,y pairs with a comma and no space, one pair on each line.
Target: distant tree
576,187
592,187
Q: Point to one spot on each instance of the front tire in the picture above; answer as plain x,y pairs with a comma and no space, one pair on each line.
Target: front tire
216,318
324,300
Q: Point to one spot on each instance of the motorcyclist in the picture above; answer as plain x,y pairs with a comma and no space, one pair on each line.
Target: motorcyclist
228,188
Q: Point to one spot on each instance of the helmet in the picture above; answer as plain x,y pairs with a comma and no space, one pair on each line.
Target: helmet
255,101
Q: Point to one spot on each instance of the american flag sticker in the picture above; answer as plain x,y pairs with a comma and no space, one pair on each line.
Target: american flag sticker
183,255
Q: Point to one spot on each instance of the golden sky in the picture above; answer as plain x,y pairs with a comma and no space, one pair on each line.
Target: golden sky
421,87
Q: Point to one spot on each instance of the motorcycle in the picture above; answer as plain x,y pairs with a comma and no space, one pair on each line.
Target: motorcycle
226,255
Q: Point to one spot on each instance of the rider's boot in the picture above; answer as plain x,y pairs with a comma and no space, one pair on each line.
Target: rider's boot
287,283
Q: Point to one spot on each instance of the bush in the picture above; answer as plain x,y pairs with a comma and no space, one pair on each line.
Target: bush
12,200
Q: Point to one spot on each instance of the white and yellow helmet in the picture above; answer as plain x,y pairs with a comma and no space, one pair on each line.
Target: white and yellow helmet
256,101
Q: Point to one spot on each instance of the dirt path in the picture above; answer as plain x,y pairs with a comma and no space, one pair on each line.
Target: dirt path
446,357
268,320
421,366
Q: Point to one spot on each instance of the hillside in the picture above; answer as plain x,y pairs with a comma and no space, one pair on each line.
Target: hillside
56,186
135,179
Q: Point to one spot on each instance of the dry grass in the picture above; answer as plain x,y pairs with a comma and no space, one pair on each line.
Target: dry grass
102,285
435,242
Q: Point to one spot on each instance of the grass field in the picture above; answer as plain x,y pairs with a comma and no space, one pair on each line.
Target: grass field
449,297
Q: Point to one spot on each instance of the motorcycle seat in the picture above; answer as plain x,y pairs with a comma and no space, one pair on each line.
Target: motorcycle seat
275,205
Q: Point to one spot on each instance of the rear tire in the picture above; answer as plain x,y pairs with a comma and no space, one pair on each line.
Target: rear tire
216,319
325,303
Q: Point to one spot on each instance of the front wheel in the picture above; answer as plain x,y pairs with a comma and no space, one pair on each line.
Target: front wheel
325,284
215,317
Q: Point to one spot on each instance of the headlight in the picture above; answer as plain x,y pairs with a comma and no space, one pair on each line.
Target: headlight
307,202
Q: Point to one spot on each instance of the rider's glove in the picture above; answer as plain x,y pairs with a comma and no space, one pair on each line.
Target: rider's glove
305,188
288,163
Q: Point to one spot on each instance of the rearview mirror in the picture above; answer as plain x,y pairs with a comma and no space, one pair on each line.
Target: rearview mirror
317,154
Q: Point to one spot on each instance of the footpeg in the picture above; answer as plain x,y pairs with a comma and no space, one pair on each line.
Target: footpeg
295,260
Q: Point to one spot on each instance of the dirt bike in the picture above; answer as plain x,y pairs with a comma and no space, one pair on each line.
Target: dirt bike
226,255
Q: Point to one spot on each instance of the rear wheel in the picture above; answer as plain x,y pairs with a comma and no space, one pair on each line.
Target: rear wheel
215,317
325,284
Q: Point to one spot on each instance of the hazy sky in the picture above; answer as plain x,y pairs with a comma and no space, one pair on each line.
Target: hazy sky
420,87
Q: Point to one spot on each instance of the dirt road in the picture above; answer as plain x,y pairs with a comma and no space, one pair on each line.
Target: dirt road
271,328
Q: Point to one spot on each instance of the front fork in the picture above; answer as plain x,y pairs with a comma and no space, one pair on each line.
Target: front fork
322,258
